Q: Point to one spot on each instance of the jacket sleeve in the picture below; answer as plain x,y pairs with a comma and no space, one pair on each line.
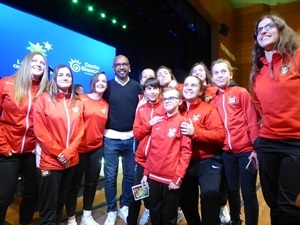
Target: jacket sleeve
185,156
256,103
140,129
212,130
4,146
72,148
250,115
47,144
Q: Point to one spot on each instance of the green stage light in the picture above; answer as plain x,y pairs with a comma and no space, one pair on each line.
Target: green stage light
102,15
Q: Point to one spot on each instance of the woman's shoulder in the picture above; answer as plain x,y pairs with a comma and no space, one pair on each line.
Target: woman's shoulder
44,95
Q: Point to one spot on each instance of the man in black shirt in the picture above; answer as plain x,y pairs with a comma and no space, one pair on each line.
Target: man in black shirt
122,97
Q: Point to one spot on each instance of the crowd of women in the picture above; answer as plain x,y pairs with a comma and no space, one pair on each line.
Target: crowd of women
206,136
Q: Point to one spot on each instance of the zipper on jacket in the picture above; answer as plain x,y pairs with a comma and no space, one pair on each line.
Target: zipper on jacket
149,139
26,122
226,120
68,121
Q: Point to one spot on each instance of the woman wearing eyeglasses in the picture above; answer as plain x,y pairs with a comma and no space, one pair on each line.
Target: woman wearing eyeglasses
275,83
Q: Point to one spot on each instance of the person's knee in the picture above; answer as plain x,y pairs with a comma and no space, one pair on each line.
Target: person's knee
90,185
210,195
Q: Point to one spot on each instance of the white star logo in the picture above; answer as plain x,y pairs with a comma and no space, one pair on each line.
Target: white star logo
47,46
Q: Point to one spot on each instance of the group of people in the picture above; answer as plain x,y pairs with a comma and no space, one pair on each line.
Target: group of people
206,136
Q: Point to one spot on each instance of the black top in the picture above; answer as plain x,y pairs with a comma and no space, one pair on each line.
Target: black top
122,102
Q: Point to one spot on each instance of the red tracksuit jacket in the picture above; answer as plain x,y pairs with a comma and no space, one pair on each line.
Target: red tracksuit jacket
59,128
95,114
239,116
141,128
209,132
170,151
16,126
278,98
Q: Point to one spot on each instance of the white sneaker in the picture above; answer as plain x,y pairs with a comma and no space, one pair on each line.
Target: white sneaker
180,216
224,214
111,218
88,220
71,222
123,213
145,218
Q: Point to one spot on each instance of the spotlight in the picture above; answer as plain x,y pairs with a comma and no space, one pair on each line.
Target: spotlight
102,15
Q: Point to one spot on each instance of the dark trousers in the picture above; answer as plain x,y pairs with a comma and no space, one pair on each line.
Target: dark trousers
163,203
207,173
89,165
223,189
135,206
53,193
279,170
10,169
239,178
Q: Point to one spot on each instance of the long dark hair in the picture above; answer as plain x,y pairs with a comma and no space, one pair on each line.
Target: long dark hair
208,78
287,44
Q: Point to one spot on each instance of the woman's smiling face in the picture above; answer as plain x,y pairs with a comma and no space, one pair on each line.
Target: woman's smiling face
267,34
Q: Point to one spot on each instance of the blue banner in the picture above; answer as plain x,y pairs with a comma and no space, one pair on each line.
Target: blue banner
21,33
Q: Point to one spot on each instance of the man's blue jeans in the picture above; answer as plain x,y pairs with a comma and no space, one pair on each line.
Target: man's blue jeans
113,149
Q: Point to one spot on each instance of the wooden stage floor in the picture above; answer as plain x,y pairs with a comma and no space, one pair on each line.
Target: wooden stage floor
99,211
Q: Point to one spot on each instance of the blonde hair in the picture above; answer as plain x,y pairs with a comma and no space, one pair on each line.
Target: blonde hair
23,78
179,94
228,64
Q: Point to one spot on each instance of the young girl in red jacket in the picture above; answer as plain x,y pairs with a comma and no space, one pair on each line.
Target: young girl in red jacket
17,140
205,128
90,150
146,116
200,70
240,120
167,79
59,127
168,159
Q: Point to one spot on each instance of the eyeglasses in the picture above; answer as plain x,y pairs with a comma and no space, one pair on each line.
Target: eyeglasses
169,99
118,65
267,27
